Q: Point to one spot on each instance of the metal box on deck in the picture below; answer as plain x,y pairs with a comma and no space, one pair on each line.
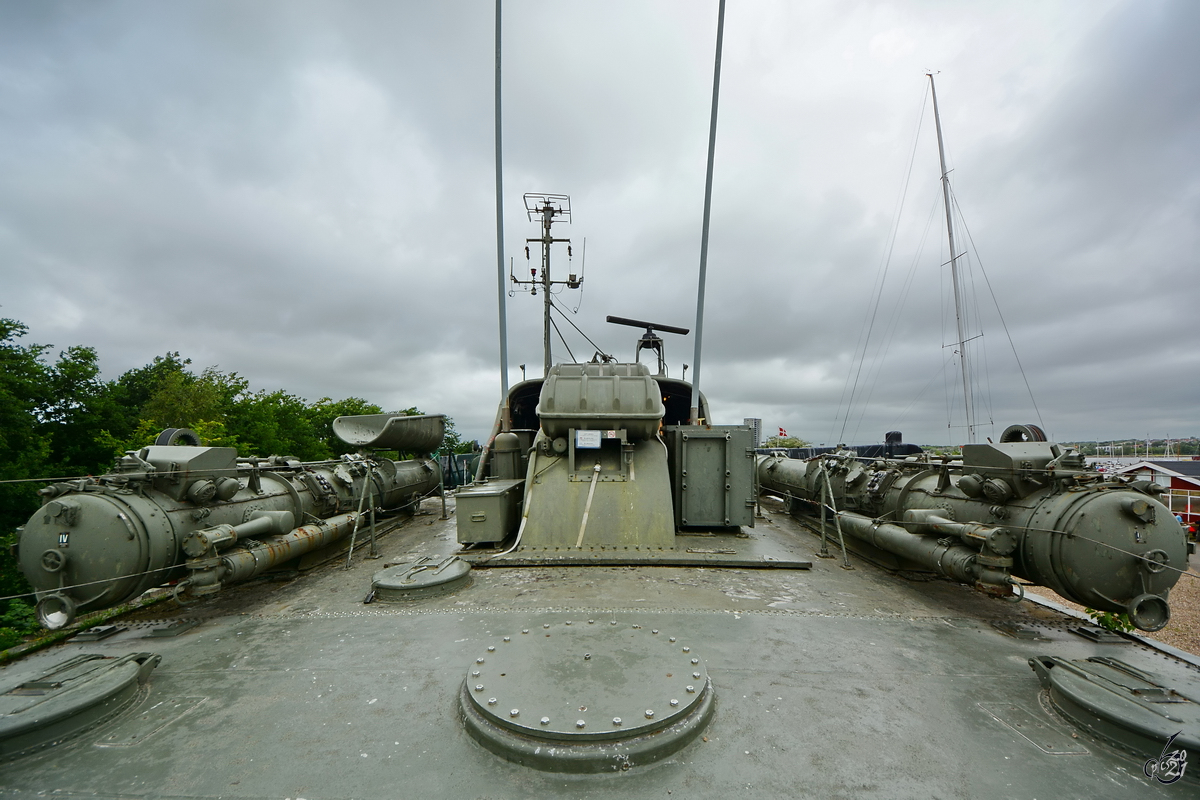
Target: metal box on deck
488,512
713,477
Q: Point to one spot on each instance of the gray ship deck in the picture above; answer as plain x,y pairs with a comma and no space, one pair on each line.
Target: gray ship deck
829,683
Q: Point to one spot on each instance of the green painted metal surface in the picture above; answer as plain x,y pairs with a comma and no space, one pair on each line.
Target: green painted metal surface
1029,510
828,682
1130,708
713,475
627,503
488,512
37,712
421,433
422,577
580,694
600,397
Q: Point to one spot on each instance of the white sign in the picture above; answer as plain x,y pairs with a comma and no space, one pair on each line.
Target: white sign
587,439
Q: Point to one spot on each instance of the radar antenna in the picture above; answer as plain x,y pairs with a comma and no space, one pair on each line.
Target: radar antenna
650,340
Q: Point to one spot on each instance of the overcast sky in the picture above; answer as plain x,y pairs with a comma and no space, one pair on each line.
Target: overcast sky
303,193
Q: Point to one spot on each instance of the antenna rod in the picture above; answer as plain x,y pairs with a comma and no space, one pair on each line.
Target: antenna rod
958,315
712,146
500,225
547,221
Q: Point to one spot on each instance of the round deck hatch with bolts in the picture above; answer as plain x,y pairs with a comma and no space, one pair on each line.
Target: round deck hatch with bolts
1140,712
585,695
428,575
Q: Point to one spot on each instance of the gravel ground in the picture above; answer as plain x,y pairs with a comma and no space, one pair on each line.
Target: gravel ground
1183,631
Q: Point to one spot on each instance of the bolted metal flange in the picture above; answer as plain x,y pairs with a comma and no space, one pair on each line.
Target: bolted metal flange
655,693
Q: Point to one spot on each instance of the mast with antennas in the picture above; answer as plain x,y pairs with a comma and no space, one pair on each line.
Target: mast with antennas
548,208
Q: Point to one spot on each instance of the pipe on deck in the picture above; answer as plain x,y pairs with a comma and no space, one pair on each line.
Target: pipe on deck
211,573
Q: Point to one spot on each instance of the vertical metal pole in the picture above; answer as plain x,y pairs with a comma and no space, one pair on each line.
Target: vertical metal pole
958,316
712,145
373,552
837,520
442,483
500,287
362,497
547,239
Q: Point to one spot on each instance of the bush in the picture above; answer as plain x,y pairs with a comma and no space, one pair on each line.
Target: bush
1118,623
9,638
16,623
20,616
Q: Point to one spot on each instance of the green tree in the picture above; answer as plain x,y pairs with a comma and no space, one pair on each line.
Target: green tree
322,413
133,390
275,423
166,394
131,393
24,447
82,414
453,441
785,441
61,420
182,399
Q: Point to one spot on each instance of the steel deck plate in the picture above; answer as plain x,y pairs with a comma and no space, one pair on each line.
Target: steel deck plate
829,683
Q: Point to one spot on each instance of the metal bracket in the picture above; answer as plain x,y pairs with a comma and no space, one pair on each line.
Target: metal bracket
608,472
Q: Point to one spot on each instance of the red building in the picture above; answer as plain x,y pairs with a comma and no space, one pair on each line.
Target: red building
1182,480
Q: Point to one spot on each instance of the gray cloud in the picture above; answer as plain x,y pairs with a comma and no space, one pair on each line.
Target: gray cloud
302,192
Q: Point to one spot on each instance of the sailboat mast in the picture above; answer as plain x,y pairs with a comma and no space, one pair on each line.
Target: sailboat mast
958,311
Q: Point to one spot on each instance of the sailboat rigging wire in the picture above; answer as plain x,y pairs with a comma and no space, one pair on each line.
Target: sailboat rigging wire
949,383
940,373
897,316
881,276
953,383
973,318
1000,314
981,378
